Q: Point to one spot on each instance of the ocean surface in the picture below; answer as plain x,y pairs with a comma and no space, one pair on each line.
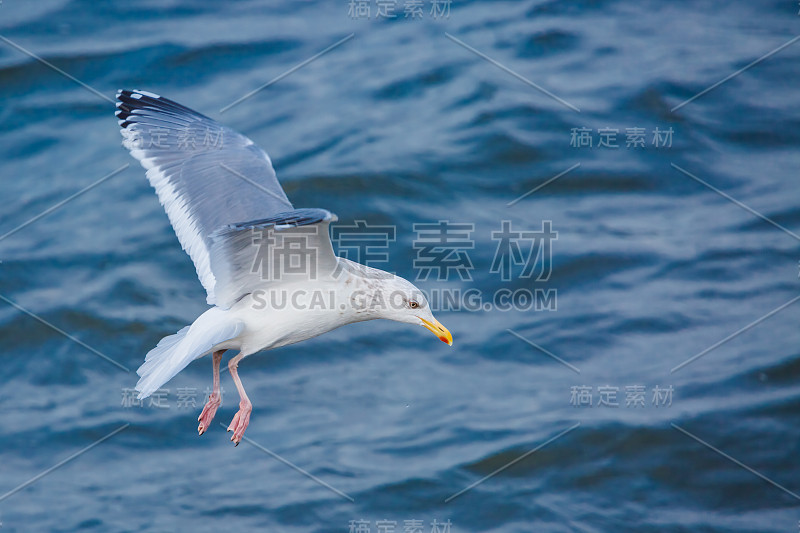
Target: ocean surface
619,267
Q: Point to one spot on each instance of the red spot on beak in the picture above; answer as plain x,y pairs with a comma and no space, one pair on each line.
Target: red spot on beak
444,340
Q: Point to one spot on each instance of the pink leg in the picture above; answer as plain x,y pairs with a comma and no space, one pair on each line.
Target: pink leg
214,399
242,418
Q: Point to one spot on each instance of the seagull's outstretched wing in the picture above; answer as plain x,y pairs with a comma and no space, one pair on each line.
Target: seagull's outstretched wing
209,178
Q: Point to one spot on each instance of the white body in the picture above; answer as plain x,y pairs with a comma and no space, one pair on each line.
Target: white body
272,326
278,315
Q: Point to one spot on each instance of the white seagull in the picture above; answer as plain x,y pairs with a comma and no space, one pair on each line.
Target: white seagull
269,270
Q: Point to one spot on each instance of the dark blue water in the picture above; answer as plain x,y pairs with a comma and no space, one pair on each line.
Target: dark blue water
402,125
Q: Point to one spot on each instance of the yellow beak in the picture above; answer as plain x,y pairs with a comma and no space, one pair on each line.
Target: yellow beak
439,330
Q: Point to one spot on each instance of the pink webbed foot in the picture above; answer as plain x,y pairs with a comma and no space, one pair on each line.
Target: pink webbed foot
208,413
240,421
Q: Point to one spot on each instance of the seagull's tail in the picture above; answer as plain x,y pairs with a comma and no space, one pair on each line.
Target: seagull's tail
174,352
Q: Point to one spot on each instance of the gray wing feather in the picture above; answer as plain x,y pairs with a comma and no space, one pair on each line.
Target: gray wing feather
206,175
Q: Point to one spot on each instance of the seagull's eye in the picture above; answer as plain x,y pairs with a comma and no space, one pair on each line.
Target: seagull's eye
412,304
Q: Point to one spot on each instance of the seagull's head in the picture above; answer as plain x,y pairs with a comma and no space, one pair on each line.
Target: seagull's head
406,303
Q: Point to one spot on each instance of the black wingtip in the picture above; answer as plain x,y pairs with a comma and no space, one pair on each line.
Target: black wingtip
128,101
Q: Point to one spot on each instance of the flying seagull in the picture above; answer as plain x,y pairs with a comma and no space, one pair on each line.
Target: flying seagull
268,269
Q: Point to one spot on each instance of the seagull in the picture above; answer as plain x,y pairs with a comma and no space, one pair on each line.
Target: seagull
269,270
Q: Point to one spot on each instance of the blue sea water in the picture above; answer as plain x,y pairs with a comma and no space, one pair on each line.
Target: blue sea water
669,245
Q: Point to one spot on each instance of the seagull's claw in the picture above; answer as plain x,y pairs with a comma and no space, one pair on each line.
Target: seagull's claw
208,413
240,421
